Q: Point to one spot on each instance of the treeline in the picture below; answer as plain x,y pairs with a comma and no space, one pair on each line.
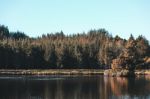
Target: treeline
95,49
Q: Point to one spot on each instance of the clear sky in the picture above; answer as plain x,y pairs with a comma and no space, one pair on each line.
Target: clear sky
35,17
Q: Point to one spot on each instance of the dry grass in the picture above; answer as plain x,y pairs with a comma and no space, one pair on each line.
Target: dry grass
142,72
61,72
52,72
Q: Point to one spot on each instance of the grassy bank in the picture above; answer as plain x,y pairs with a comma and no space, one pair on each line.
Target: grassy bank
142,72
62,72
52,72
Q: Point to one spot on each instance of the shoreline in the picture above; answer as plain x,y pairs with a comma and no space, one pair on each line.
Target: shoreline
62,72
52,72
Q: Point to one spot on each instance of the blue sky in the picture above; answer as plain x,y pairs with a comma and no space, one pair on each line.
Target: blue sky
35,17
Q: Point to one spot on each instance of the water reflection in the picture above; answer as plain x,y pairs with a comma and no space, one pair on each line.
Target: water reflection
127,88
116,86
80,87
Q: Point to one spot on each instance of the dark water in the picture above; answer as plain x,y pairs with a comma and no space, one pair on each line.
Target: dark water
74,87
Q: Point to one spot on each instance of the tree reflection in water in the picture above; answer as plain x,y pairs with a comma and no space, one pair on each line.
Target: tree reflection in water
79,87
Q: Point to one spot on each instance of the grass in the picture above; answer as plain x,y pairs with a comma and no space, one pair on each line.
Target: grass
142,72
61,72
51,72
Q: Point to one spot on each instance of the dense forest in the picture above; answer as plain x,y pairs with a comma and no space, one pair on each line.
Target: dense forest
94,49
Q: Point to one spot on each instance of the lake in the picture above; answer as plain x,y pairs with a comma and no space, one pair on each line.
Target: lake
74,87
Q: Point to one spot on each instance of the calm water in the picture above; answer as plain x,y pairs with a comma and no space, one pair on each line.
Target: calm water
74,87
